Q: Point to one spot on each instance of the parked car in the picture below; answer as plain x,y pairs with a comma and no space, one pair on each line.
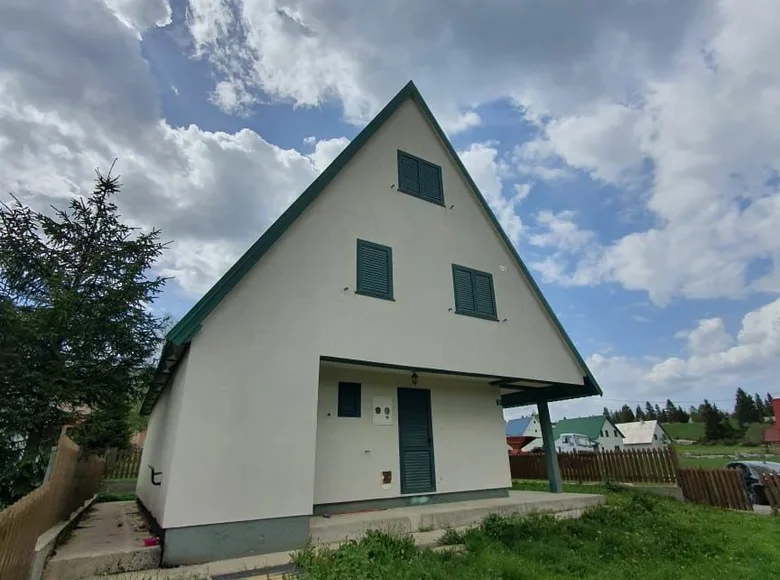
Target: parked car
753,473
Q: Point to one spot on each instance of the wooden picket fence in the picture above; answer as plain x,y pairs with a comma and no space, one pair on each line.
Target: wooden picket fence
125,465
772,489
73,480
633,466
717,487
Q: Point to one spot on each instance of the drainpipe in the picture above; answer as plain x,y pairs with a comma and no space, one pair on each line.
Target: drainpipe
548,442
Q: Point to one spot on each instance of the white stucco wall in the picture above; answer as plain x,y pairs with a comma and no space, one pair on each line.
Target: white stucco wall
160,443
246,443
611,441
534,428
468,438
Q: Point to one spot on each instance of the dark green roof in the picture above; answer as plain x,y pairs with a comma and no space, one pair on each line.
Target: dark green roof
180,335
588,426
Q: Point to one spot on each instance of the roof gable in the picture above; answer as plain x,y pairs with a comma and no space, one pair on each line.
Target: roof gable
588,426
516,427
638,432
179,337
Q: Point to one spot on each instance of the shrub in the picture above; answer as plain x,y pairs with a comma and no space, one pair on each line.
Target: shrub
451,538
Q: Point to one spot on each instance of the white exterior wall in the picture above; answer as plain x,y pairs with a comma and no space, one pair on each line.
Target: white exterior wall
246,445
534,428
468,437
160,443
610,442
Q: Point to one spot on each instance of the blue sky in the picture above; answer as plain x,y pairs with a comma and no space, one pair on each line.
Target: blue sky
628,148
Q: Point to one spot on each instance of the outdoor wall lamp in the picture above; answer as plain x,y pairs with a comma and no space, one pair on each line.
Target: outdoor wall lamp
414,379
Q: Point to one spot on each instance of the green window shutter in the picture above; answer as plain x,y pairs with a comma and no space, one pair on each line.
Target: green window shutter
374,270
420,178
483,294
464,291
474,293
349,400
408,174
430,182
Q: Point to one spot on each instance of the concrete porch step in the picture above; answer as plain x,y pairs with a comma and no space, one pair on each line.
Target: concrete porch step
409,520
109,539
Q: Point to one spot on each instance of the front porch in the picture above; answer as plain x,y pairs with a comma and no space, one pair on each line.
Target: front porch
429,518
378,448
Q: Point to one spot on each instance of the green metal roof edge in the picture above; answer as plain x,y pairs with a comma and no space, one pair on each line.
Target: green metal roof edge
575,425
186,328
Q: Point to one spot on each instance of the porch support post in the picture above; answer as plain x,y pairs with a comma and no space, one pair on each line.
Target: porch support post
548,442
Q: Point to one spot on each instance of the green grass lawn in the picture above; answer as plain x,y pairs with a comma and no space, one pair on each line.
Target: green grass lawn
633,536
722,450
539,485
727,453
692,431
705,462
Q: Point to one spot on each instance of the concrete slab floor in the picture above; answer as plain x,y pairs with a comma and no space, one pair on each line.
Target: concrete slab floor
421,518
108,539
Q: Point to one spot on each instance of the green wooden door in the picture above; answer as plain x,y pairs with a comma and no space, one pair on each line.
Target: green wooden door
415,438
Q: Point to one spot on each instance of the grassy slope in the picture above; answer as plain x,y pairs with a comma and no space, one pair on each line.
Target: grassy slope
716,456
633,536
692,431
695,431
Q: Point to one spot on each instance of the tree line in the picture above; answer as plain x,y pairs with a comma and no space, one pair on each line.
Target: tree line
718,424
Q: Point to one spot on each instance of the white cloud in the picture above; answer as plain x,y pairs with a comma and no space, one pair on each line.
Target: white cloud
521,191
750,360
459,122
546,55
605,141
756,347
140,15
230,98
326,151
707,126
708,337
560,232
212,193
538,159
718,363
487,170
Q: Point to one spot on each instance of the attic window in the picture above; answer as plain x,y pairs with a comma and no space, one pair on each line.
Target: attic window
349,400
420,178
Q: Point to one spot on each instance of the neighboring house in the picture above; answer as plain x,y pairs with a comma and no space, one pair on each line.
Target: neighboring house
522,431
644,435
356,357
604,434
772,434
138,438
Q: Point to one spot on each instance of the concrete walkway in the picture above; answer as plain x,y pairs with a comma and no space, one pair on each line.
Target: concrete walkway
108,539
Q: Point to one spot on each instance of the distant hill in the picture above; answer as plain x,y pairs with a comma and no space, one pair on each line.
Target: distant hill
695,431
692,431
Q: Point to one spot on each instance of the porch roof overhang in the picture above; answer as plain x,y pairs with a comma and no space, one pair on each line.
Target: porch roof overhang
514,391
